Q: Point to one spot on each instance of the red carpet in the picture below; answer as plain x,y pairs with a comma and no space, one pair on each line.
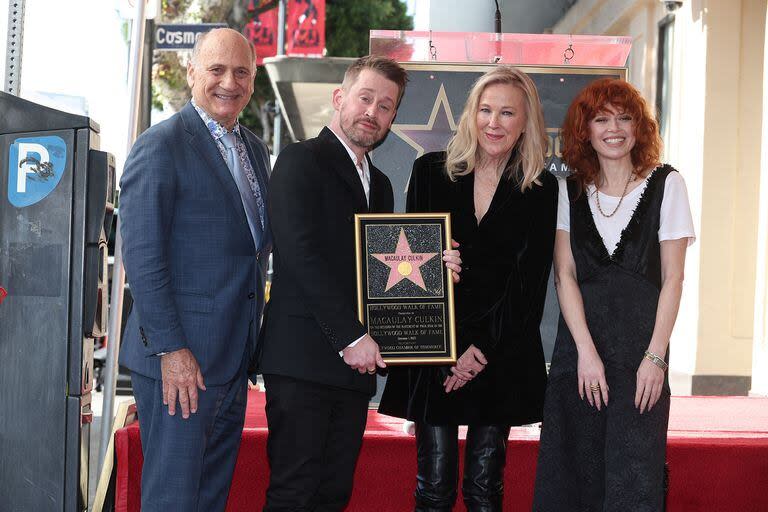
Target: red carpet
717,454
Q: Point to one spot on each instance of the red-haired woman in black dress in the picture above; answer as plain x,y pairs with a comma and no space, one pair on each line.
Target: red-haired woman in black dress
623,228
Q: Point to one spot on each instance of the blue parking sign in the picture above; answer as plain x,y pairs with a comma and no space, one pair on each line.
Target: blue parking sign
35,167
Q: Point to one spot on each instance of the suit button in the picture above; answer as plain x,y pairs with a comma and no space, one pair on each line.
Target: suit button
251,295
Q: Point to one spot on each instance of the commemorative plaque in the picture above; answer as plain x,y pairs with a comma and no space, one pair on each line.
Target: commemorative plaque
404,291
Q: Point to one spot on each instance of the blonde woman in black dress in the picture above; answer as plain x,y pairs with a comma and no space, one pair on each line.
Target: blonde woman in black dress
503,207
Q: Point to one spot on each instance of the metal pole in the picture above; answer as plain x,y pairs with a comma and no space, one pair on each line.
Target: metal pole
277,129
145,108
277,132
281,28
118,272
14,46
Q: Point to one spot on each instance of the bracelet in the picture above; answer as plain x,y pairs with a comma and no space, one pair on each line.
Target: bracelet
658,361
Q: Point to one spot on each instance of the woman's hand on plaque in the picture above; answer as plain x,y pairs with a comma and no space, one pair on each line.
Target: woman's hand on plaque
452,259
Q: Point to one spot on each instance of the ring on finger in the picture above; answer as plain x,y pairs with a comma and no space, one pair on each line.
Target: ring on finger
371,371
594,387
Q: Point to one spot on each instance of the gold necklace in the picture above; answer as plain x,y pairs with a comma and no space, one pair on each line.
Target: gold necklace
624,193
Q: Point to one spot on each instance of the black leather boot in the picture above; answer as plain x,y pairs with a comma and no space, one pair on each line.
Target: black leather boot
484,459
437,467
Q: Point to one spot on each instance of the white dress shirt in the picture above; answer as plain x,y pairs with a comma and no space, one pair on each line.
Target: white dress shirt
363,171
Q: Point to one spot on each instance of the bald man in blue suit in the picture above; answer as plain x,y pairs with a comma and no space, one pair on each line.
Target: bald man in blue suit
195,245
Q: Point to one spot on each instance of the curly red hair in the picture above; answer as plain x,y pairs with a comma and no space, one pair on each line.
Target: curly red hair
578,152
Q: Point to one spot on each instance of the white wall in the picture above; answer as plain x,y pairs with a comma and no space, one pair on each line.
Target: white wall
759,385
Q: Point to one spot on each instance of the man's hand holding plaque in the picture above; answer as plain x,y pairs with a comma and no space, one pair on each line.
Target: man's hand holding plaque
364,356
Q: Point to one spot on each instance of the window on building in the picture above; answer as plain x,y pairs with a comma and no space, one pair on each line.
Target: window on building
664,73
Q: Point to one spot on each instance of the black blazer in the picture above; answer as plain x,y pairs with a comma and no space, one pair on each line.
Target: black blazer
315,191
506,261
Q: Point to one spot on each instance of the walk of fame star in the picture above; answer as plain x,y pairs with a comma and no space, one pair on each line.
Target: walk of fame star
404,264
435,134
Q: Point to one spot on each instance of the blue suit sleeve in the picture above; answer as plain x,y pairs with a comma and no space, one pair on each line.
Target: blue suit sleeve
146,211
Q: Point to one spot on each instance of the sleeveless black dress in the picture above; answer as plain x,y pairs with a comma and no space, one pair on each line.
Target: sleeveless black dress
613,459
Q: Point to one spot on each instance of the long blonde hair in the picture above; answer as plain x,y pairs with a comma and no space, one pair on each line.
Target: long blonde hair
531,146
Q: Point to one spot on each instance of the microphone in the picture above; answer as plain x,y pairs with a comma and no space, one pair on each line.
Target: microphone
497,28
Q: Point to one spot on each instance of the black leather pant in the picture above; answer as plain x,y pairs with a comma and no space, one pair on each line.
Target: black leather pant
437,477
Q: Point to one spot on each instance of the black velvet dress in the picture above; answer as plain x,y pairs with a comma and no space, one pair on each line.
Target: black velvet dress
506,261
613,459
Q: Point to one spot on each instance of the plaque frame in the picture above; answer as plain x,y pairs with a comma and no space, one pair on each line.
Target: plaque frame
448,353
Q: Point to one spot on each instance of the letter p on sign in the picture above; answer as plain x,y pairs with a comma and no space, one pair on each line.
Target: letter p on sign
30,155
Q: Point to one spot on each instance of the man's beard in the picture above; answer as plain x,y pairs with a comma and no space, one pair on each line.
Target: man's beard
358,137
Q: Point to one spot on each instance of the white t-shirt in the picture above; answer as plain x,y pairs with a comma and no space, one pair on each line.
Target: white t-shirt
676,220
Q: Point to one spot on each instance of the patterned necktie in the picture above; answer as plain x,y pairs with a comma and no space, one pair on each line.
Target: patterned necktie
244,186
